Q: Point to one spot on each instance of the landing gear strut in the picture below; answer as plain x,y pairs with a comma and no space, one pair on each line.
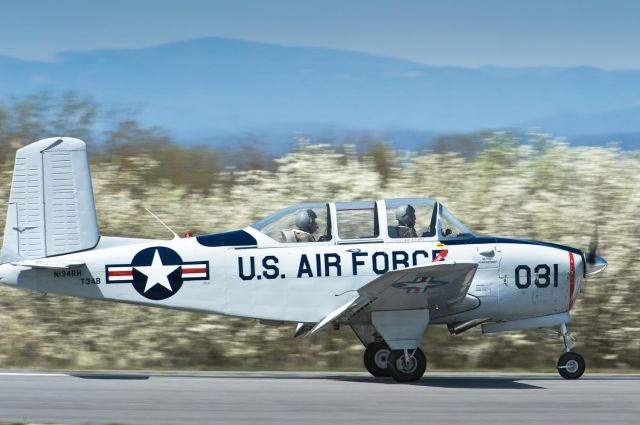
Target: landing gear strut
407,365
376,358
571,365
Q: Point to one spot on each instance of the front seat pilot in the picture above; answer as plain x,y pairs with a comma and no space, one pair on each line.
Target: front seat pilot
406,216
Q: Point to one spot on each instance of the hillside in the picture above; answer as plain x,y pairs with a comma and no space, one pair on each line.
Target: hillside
220,91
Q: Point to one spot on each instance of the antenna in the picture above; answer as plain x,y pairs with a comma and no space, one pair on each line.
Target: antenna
175,235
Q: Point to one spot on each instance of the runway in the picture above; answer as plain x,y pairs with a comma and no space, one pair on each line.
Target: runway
314,398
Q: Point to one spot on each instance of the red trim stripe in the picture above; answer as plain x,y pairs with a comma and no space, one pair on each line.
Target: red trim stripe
572,278
120,273
202,270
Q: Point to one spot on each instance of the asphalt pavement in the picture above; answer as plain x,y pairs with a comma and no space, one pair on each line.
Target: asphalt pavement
315,398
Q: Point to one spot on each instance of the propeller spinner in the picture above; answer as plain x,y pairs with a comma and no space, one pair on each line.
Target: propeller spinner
594,264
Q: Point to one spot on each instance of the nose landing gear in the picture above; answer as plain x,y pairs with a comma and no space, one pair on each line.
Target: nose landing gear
571,365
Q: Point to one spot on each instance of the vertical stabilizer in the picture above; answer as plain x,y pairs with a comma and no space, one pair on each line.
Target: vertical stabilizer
51,208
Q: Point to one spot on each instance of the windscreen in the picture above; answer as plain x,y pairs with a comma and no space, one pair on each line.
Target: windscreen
451,227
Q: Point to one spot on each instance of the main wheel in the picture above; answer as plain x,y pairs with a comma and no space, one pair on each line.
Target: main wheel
407,370
571,365
376,358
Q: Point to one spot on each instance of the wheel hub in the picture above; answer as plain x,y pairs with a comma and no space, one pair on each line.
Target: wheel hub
572,366
406,365
381,358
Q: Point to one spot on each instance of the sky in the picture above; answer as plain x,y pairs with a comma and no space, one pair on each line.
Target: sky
465,33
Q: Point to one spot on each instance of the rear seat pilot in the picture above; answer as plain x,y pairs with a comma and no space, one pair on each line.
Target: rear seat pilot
306,227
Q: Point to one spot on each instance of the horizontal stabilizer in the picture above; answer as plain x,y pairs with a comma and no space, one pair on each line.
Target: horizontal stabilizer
49,263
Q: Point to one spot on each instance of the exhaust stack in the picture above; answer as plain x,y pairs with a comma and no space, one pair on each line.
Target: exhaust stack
458,328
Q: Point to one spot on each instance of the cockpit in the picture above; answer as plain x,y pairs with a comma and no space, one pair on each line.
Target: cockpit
388,220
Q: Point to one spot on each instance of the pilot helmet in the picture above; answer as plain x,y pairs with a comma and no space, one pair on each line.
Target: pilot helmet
404,214
304,220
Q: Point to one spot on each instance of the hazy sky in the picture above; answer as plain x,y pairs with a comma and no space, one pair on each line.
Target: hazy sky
472,33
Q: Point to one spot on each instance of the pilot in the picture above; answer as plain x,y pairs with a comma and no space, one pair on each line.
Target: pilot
406,216
306,227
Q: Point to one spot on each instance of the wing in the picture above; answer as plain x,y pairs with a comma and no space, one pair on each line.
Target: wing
437,287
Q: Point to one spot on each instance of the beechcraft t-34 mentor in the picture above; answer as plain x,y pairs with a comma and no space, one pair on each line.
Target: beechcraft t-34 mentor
388,268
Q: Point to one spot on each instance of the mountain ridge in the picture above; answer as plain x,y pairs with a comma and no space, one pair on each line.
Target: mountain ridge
210,86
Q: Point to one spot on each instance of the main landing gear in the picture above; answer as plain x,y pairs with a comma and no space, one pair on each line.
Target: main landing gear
376,358
407,365
571,365
401,365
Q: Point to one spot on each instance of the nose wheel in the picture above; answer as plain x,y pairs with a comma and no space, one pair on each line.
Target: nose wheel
571,365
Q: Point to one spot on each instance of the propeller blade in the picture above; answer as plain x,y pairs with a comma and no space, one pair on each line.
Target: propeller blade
594,264
593,247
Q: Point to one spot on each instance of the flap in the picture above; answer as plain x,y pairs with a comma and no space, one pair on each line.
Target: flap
331,316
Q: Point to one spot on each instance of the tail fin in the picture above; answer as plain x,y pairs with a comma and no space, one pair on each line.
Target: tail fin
51,207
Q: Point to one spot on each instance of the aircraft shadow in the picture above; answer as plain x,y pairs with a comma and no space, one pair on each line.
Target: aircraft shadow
449,382
114,376
435,382
472,382
439,381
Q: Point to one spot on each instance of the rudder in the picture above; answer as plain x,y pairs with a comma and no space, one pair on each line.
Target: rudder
51,207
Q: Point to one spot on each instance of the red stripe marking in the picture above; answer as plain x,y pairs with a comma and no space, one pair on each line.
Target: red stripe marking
202,270
121,273
442,255
572,278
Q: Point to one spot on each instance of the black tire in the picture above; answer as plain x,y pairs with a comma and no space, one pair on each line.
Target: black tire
402,371
376,359
571,365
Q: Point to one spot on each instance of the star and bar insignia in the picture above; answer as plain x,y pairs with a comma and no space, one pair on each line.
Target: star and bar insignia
157,273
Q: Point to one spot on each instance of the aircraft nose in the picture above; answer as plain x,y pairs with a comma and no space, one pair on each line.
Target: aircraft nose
595,264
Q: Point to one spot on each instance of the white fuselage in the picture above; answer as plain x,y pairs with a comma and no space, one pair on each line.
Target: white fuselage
514,279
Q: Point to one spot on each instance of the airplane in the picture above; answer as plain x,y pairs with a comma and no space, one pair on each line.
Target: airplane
389,269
